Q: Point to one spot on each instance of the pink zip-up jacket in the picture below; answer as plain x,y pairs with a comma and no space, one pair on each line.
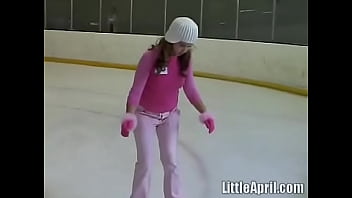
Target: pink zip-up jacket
159,92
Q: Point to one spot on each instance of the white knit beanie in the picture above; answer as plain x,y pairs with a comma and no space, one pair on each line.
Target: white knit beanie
182,29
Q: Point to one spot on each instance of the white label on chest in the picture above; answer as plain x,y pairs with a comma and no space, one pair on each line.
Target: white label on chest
162,72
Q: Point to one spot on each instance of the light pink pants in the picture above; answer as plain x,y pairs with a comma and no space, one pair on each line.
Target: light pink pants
166,127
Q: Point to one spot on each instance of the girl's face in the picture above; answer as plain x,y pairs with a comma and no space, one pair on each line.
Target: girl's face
181,48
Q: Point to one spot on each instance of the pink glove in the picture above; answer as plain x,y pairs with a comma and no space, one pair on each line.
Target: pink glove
129,123
209,121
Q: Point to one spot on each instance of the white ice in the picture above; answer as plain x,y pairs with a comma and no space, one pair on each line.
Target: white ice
261,135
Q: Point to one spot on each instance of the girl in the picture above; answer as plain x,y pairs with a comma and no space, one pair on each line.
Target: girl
151,108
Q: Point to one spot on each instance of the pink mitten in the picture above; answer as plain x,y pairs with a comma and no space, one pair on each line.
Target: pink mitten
209,121
129,123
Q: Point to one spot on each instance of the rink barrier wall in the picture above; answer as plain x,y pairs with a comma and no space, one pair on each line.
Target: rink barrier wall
293,90
280,67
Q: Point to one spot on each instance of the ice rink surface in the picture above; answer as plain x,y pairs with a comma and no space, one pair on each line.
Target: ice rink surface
261,136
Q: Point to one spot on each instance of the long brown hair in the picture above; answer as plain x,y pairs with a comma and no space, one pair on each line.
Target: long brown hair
165,51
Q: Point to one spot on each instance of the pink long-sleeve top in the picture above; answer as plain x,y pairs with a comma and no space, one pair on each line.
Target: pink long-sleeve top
159,92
